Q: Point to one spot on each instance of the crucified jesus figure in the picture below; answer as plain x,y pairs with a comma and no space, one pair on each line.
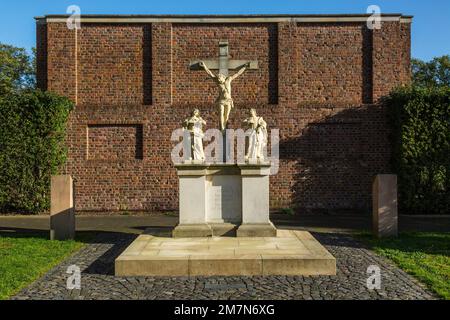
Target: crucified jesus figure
224,101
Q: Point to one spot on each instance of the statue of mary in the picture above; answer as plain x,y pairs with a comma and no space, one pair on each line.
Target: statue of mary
194,125
257,140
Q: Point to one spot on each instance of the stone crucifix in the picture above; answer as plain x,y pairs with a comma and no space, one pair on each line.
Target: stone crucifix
222,79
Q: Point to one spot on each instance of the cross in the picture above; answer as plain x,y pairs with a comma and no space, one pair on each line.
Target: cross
224,63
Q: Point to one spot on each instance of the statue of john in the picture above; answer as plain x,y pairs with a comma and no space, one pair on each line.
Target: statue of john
224,101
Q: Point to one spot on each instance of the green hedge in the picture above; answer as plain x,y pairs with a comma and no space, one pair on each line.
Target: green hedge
420,119
32,133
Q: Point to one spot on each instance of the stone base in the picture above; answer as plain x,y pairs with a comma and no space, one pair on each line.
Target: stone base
205,230
192,231
223,229
290,253
256,230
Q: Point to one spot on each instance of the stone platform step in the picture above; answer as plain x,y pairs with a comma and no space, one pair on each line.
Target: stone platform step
290,253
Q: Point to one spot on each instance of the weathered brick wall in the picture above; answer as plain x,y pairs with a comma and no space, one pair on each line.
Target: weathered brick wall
317,83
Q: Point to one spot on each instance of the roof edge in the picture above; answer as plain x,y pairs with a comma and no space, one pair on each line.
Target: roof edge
141,18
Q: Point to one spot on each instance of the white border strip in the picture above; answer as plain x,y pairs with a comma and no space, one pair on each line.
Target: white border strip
224,19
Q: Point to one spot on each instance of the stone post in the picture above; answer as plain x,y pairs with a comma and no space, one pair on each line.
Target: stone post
255,202
192,204
384,202
62,208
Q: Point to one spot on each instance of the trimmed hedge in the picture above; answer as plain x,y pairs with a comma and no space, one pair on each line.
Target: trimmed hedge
32,134
420,121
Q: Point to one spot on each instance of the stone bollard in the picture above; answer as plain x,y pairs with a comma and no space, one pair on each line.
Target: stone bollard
384,202
62,208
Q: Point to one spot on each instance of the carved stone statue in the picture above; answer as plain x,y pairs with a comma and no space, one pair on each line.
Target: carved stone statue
194,125
224,100
258,137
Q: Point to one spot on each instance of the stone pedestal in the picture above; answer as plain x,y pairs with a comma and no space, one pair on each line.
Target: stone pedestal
384,197
217,199
62,208
255,202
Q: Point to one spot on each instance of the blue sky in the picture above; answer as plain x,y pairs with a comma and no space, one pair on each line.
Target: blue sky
430,35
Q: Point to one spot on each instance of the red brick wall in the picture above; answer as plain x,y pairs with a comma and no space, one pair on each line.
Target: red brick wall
61,60
114,142
114,64
389,58
317,83
332,62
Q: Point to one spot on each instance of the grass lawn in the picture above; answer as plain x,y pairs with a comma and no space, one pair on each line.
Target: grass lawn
26,257
424,255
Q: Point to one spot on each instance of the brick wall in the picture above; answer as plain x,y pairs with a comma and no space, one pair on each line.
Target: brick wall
114,64
333,63
319,83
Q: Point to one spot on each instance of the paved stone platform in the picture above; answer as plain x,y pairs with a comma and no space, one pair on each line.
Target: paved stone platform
96,261
291,252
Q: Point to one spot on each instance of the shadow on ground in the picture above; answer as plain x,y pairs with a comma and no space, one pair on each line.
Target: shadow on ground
118,242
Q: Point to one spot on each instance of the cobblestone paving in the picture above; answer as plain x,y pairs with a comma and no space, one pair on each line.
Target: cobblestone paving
96,261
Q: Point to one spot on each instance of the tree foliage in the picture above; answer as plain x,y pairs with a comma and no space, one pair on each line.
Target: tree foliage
32,134
434,73
17,69
420,119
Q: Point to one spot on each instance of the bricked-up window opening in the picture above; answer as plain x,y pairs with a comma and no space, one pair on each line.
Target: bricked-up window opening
113,142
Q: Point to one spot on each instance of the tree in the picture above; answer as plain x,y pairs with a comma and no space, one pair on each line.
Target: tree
434,73
17,69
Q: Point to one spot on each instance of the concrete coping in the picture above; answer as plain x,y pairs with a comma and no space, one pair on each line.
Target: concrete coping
311,18
206,169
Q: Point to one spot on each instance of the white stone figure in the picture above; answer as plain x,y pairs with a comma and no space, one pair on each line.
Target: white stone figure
224,100
257,140
194,124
